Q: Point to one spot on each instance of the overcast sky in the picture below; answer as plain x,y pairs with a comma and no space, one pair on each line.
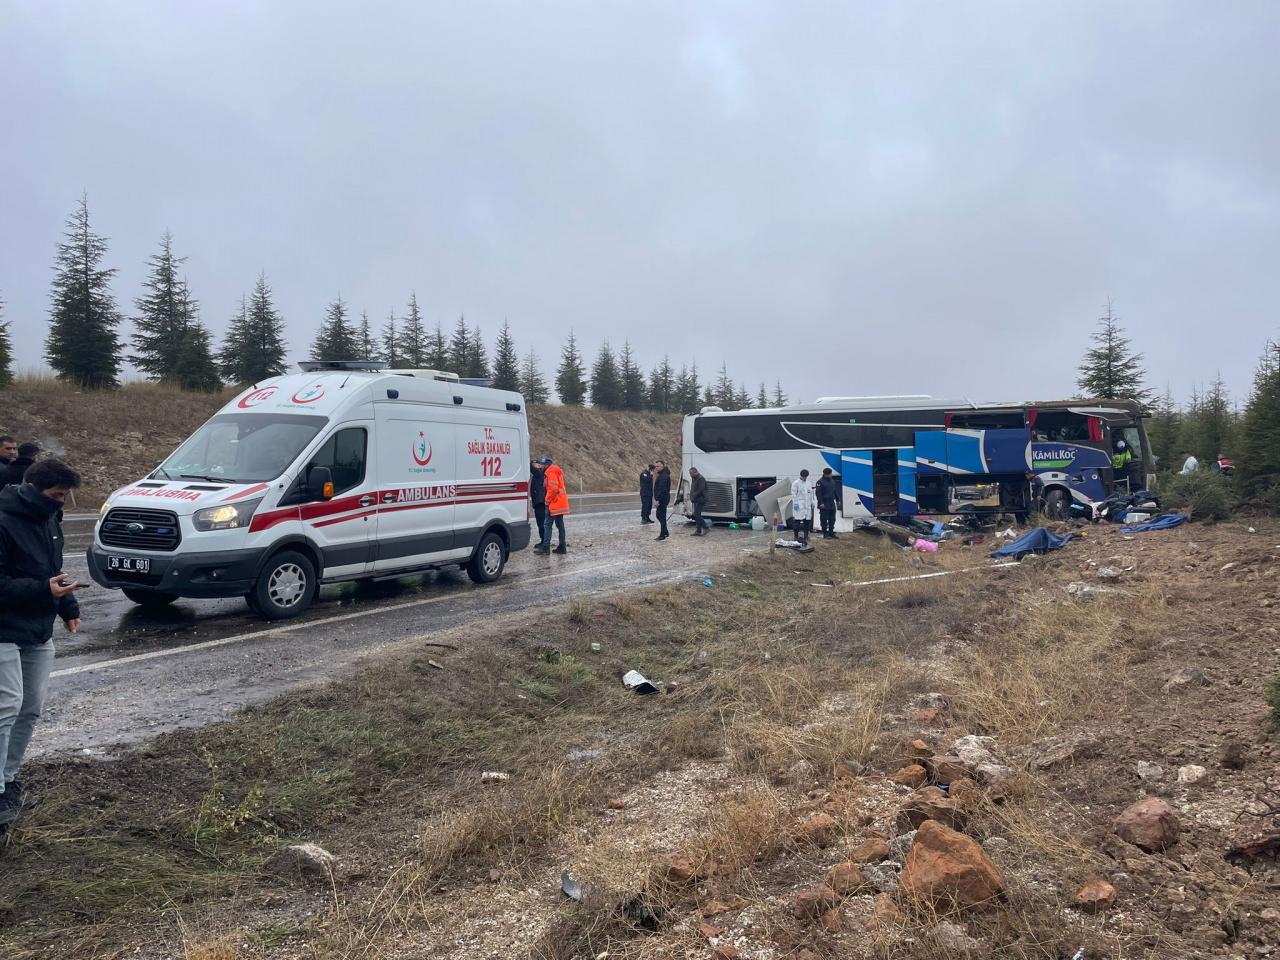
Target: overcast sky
859,198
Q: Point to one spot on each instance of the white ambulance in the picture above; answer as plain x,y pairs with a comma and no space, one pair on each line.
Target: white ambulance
345,471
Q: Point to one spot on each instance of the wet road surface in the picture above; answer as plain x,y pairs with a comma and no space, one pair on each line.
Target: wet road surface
132,673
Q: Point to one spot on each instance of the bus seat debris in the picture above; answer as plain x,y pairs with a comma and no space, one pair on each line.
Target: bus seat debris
1166,521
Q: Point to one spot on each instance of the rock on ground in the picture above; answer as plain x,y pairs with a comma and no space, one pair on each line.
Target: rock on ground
944,866
303,861
1150,824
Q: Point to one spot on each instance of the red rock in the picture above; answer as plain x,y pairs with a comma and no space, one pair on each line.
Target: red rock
872,850
1150,824
928,715
912,775
845,878
617,804
930,803
918,750
681,869
708,931
725,952
845,771
832,920
965,792
812,903
1096,895
884,912
946,768
820,830
944,866
713,908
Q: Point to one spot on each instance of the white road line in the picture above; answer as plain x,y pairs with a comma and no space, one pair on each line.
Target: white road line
290,628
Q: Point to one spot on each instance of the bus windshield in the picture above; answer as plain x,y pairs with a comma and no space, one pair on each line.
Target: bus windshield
242,448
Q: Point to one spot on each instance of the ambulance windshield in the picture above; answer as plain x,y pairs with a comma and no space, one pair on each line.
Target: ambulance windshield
242,448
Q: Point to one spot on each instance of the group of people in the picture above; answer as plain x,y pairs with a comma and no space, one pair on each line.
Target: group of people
34,594
655,492
824,496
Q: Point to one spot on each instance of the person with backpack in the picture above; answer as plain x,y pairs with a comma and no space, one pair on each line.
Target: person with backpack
34,593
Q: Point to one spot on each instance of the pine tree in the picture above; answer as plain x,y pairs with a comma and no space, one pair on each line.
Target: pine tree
506,362
82,345
366,349
1111,370
437,349
166,313
195,367
1207,427
1258,462
6,351
532,385
762,397
688,390
743,400
661,395
390,352
413,337
254,346
337,339
1163,430
478,358
606,384
708,397
632,379
779,398
724,394
460,349
570,383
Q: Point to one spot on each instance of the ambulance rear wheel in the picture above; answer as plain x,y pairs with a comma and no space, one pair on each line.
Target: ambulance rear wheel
286,587
487,562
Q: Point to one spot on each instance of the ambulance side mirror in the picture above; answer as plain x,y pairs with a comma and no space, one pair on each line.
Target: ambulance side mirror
320,483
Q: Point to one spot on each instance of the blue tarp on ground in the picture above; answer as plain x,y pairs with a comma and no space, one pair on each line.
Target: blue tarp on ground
1166,521
1038,540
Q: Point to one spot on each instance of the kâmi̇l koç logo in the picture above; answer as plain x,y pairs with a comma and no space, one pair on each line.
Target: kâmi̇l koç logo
1056,458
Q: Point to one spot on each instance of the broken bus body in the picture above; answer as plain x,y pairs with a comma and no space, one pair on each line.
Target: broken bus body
918,455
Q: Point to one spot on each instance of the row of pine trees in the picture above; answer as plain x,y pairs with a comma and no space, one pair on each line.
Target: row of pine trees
171,344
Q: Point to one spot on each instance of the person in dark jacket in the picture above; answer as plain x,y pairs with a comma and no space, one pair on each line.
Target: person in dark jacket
18,466
646,494
828,490
697,499
662,497
8,451
538,498
33,593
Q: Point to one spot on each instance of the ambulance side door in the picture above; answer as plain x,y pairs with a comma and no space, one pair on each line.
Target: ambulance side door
417,488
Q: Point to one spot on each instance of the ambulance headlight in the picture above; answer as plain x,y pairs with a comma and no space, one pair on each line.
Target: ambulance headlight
227,516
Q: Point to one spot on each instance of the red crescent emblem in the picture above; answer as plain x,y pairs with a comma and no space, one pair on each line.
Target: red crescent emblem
255,397
422,443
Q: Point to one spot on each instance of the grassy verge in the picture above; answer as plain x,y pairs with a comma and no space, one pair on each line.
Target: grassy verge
116,851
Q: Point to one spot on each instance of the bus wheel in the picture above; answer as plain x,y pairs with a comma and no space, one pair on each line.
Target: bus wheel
1056,504
286,586
487,562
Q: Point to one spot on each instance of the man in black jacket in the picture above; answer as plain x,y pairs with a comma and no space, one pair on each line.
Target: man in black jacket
8,451
538,497
18,466
646,494
828,491
33,593
662,496
697,499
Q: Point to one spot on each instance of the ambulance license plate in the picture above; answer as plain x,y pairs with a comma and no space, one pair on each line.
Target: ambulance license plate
129,564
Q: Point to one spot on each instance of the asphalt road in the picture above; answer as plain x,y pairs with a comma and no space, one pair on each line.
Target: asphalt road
132,673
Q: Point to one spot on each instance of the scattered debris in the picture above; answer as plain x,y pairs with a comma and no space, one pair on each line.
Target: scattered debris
634,680
432,663
1186,677
570,887
494,776
302,861
1192,773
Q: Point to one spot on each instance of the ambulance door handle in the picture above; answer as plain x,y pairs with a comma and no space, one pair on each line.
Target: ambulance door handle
365,501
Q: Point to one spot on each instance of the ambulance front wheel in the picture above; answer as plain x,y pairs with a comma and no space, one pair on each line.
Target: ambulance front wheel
487,562
286,587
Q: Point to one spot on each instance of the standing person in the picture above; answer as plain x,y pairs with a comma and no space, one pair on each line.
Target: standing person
828,493
1189,464
8,452
557,505
33,593
662,496
802,506
18,466
646,494
698,498
538,498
